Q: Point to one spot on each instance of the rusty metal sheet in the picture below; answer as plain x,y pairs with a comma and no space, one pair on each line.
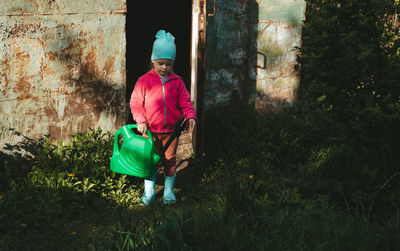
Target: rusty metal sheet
279,33
27,7
288,11
61,74
250,53
278,81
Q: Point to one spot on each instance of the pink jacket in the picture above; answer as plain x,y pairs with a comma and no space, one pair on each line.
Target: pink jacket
160,105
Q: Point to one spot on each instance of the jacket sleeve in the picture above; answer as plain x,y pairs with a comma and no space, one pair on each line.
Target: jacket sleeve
137,102
184,103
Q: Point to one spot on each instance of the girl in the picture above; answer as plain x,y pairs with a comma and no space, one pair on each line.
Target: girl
158,100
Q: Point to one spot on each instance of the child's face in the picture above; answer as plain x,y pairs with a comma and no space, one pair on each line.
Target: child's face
163,67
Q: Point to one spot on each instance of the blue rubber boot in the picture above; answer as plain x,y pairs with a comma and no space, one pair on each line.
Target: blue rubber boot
169,195
149,193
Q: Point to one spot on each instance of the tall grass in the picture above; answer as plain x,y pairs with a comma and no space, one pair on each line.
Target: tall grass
218,227
68,199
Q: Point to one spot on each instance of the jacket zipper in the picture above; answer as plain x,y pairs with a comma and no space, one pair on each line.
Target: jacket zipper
165,106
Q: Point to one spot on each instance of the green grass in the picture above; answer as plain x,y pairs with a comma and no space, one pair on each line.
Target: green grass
66,198
48,219
218,227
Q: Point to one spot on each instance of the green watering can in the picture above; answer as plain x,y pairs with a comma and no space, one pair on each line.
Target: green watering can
138,155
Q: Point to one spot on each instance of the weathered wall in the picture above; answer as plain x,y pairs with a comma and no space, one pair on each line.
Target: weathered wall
250,56
279,32
62,67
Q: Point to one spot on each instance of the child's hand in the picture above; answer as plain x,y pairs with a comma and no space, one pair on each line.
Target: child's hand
192,125
142,128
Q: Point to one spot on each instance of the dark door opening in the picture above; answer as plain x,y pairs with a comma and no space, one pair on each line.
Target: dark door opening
144,19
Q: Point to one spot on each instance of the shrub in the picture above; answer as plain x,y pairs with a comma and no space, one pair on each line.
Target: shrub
84,165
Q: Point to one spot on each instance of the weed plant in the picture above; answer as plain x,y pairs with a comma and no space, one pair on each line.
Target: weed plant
65,197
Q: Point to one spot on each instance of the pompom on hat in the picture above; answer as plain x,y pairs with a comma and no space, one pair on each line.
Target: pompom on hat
164,46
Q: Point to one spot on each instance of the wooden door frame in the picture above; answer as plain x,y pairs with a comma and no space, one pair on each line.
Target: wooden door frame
197,62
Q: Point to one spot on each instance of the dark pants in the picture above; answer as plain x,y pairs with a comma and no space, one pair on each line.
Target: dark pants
168,160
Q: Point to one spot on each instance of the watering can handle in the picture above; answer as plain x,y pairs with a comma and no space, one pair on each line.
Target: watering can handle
116,136
123,130
135,126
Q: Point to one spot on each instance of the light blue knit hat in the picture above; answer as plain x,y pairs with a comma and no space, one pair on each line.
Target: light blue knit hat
164,46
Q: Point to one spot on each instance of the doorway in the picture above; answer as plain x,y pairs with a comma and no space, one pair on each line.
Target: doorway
143,20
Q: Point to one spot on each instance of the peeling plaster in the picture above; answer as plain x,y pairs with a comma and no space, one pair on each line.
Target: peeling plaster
63,67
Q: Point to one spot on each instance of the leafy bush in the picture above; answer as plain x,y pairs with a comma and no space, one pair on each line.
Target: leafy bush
84,165
350,70
67,198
